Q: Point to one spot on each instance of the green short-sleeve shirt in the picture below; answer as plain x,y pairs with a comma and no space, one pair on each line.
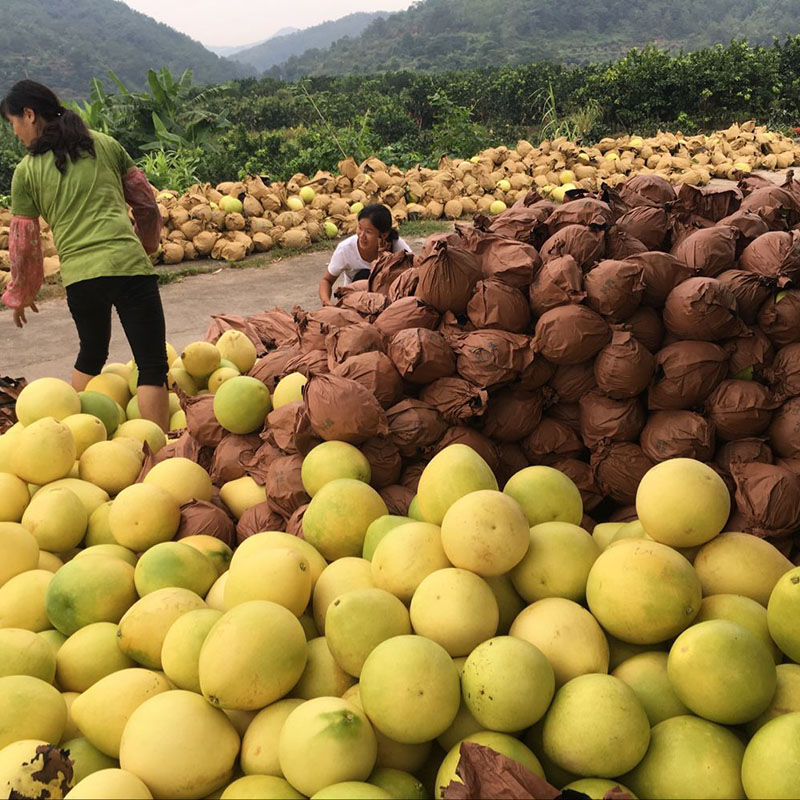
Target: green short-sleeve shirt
85,208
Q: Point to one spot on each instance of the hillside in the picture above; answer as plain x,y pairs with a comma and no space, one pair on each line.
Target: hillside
464,34
229,50
65,43
280,48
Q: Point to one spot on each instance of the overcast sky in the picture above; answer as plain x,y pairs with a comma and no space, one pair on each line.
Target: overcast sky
245,21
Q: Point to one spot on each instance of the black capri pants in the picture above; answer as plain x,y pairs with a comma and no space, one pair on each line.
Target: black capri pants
139,309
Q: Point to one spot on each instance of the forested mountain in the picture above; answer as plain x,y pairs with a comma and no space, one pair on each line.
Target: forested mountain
66,43
464,34
280,48
227,50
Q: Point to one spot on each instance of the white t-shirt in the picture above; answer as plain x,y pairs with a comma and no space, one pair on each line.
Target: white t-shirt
347,261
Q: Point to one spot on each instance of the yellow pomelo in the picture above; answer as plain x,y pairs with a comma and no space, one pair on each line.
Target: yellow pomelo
14,497
770,768
112,550
86,590
87,759
557,563
485,532
786,698
219,376
338,516
241,494
406,556
98,530
110,784
180,651
273,539
214,549
30,708
596,727
57,519
722,671
111,385
643,592
49,561
289,389
377,529
118,368
507,684
604,532
456,609
449,475
331,460
410,689
783,613
241,404
745,611
597,788
236,347
281,575
142,430
53,638
567,634
215,598
143,515
90,495
358,621
145,624
343,575
259,754
682,502
307,194
239,719
21,770
177,421
110,466
322,676
252,656
88,655
172,564
71,730
22,601
19,551
103,710
256,787
179,745
200,359
739,563
86,430
499,742
646,674
7,440
689,757
325,741
184,381
101,406
44,451
509,603
545,495
24,652
46,397
398,783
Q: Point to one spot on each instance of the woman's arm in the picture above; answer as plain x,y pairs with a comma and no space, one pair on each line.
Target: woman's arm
27,266
326,288
139,196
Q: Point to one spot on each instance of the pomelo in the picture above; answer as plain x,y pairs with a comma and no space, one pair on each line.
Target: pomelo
255,787
49,561
57,519
252,656
112,386
172,564
110,466
215,549
86,430
497,206
377,529
88,655
289,389
230,204
142,430
179,745
7,440
90,495
557,562
338,516
184,479
596,788
46,397
343,575
410,689
86,758
177,421
643,592
14,497
722,671
98,530
180,651
241,404
596,727
449,475
546,495
200,359
30,708
113,550
783,612
86,590
398,783
236,347
322,676
274,539
604,533
786,698
485,532
110,784
259,754
118,368
507,684
689,757
184,381
19,550
54,641
22,773
307,194
352,790
143,515
456,609
646,674
44,451
22,601
241,494
26,653
219,376
331,460
771,764
509,603
567,634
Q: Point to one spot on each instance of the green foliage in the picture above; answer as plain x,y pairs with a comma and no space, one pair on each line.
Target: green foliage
11,151
172,169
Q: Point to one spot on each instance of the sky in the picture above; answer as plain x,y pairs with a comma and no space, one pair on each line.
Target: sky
248,21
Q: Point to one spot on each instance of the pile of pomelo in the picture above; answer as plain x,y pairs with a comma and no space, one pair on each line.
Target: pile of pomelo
350,662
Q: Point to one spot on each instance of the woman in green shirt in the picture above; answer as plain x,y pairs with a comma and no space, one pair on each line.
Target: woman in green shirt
82,182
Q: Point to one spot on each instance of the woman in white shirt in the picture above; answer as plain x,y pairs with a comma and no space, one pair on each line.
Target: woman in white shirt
353,256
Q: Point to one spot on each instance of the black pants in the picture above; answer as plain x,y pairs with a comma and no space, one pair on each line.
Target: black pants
139,309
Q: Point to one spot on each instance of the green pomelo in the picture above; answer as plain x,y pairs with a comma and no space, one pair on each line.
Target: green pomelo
646,674
331,460
771,764
546,495
786,698
597,788
783,613
172,564
180,651
398,783
102,407
86,758
377,529
256,787
351,790
241,404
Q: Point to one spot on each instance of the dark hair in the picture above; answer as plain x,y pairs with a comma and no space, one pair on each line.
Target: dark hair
64,132
380,216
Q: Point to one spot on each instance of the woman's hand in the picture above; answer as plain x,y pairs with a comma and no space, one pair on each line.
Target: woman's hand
19,314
